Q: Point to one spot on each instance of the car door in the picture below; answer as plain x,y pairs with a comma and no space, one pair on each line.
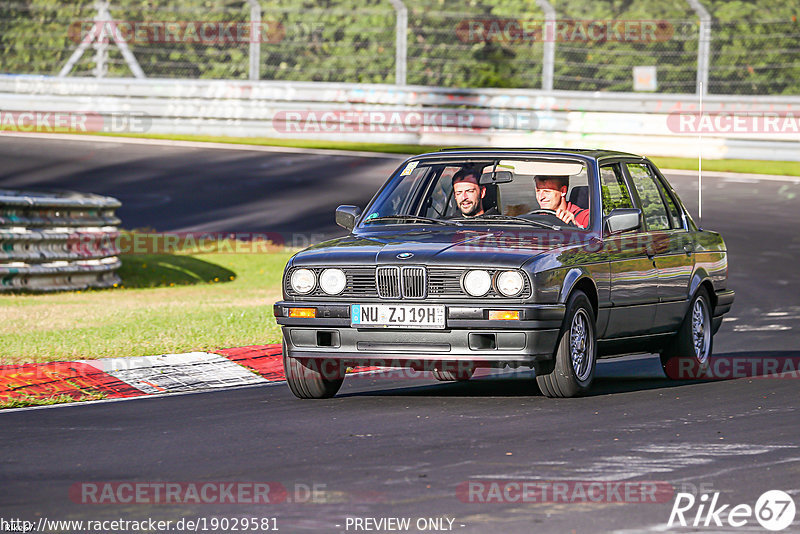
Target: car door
669,240
633,275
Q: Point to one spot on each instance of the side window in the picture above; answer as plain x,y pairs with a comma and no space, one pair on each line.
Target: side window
655,212
612,186
677,220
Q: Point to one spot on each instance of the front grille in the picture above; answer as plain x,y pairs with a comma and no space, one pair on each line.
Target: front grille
388,282
414,282
445,282
401,282
361,282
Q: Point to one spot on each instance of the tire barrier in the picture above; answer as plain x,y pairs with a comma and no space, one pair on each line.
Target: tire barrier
57,241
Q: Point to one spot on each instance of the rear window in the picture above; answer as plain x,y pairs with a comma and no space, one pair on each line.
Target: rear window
655,212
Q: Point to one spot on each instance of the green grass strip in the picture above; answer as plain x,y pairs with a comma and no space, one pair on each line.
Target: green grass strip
24,401
167,303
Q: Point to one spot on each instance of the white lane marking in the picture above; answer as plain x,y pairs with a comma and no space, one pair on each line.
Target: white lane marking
776,314
200,144
741,180
765,328
177,372
643,461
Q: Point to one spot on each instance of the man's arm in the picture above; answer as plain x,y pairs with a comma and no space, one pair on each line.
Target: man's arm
573,214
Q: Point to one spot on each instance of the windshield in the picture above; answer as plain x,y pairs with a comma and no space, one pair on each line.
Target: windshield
522,191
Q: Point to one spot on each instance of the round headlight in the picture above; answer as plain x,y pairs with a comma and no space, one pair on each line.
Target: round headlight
510,283
477,283
332,281
303,281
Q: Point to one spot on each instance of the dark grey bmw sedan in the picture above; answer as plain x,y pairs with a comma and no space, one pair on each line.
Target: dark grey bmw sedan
542,258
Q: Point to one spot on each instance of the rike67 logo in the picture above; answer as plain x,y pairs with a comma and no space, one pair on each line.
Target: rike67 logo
774,510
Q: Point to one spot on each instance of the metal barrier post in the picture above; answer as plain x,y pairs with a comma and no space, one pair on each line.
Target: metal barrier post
103,23
549,38
703,45
255,42
401,42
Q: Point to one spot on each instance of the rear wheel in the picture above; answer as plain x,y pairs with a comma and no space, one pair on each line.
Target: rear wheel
687,355
576,353
313,379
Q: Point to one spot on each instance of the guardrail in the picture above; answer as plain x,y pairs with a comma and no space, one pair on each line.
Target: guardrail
645,123
57,241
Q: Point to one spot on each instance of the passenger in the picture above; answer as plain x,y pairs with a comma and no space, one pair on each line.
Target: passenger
551,192
469,193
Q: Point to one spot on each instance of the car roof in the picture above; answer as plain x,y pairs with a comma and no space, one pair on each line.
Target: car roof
592,153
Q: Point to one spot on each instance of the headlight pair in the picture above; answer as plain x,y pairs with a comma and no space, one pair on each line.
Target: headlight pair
331,281
478,282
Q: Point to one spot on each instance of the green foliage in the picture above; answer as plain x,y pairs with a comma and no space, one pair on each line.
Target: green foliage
755,58
753,50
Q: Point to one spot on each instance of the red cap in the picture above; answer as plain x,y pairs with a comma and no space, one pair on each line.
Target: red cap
465,177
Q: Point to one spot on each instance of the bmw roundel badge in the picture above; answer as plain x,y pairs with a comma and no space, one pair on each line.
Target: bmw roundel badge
405,255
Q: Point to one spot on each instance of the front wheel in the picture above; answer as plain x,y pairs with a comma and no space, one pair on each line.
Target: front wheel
312,379
576,353
687,354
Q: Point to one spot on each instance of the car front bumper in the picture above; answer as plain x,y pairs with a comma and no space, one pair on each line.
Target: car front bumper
468,336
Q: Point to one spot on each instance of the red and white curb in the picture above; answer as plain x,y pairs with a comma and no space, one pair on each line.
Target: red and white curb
119,378
148,375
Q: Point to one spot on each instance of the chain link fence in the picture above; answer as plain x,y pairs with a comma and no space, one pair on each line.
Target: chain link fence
594,45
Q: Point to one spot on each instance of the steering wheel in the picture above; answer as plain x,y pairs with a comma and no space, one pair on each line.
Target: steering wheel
549,214
542,210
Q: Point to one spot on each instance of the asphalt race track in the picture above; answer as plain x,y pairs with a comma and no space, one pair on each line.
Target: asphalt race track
406,448
196,189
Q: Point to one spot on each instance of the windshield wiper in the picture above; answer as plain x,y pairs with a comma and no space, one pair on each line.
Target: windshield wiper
416,218
511,218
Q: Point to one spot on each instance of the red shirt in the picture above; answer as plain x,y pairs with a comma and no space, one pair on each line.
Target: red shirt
581,214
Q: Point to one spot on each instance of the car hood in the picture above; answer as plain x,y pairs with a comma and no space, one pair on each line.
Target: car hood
487,248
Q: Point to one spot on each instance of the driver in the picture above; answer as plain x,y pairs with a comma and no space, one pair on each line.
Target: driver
469,193
551,192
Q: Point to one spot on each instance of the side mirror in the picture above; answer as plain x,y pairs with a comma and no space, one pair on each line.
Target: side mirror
346,216
622,220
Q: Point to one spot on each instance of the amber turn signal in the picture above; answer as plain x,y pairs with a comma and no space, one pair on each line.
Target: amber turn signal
503,315
308,313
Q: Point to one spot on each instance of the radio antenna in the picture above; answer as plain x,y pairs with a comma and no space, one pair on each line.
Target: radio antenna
700,160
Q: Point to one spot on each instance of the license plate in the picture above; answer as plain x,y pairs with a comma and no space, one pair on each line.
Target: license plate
400,315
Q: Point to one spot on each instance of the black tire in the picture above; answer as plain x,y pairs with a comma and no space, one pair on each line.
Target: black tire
457,375
307,381
568,378
688,354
